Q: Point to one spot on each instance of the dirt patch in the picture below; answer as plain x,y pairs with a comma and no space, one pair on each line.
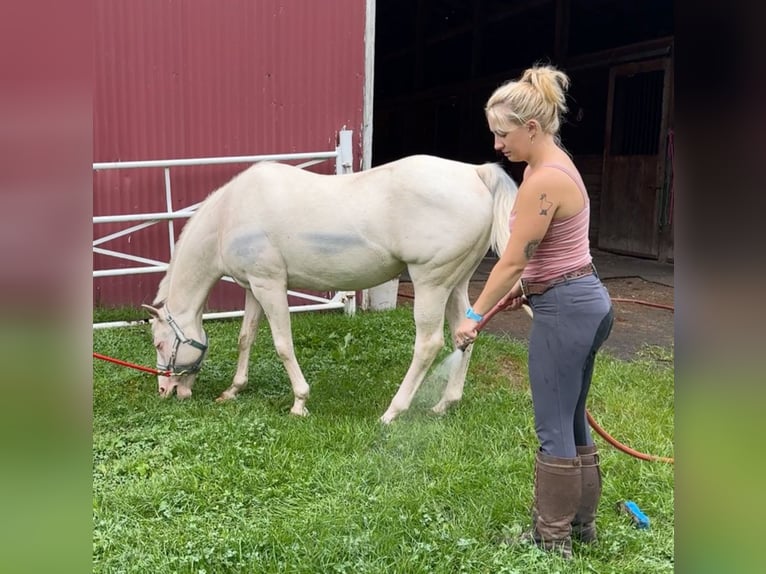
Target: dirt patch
640,329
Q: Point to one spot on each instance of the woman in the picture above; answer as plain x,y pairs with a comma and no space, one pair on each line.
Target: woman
547,262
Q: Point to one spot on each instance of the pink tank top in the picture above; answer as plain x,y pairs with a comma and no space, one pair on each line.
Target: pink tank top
565,246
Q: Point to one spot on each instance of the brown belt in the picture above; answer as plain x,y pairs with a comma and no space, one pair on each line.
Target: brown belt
528,288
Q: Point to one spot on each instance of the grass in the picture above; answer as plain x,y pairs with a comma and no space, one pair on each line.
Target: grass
197,487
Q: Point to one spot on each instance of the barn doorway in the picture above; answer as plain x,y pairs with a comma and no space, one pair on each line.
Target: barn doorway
437,61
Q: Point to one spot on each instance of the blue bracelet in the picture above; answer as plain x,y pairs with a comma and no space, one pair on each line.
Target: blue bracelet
471,314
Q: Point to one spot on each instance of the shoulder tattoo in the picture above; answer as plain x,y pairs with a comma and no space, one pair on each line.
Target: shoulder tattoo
531,247
545,205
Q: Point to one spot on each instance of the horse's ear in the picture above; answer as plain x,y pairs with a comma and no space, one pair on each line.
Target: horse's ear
155,312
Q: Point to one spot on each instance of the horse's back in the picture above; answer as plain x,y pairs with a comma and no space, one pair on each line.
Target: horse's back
438,206
354,230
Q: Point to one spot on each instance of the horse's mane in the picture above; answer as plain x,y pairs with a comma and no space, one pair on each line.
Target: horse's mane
204,207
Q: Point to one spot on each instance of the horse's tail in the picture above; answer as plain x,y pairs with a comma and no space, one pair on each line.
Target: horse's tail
504,191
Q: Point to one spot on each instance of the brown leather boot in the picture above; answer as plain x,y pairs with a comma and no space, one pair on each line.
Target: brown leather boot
584,523
557,498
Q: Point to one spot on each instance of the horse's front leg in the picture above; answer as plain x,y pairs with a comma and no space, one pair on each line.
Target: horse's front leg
247,334
273,298
453,391
429,339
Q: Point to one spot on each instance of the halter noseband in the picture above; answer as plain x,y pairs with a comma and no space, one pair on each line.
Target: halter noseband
178,370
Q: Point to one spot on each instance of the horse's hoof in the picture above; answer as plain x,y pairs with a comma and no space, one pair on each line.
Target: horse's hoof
225,397
300,412
439,409
387,418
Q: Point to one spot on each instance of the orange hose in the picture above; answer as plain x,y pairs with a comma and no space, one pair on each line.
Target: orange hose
647,303
619,446
605,435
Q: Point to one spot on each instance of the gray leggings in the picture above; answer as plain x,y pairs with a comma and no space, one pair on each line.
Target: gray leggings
571,322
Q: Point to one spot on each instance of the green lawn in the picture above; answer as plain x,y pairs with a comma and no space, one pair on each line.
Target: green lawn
244,486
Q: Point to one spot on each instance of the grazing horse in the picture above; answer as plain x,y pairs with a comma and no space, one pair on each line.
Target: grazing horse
275,227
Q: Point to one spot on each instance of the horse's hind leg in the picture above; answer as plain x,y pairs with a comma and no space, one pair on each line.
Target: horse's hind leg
247,334
429,339
453,391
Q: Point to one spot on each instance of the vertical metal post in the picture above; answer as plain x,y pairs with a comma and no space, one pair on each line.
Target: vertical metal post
345,164
345,161
369,84
169,207
349,303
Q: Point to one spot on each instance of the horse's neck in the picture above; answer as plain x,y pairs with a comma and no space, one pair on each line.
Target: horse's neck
192,274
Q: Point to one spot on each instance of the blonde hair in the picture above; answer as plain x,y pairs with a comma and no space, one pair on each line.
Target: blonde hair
540,94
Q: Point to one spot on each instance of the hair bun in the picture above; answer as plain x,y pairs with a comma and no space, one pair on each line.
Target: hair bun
539,94
550,82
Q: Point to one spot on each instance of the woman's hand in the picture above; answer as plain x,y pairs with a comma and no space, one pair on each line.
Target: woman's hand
466,333
514,303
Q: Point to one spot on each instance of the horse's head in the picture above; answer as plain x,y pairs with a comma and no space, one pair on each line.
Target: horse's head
177,351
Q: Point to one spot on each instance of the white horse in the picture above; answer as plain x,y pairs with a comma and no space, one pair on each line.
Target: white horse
275,227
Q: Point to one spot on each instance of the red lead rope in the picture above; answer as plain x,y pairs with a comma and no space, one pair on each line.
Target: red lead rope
606,436
131,365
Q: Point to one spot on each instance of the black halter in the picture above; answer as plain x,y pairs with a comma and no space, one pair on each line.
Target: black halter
178,370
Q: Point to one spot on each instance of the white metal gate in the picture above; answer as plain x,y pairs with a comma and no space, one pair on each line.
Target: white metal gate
343,155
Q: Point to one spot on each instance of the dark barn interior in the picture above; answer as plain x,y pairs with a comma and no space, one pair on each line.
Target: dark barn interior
437,61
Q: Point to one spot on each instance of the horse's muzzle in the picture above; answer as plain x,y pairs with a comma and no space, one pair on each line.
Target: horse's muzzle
167,385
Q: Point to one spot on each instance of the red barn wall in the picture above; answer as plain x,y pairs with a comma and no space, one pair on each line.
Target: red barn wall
204,78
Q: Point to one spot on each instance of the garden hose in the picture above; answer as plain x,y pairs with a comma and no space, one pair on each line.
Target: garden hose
594,425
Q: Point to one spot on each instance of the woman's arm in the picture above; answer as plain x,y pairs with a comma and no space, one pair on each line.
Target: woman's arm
535,207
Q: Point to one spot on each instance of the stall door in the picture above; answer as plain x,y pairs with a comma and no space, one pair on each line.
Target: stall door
634,159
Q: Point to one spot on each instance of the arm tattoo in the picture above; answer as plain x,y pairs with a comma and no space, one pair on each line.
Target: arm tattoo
529,250
545,205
